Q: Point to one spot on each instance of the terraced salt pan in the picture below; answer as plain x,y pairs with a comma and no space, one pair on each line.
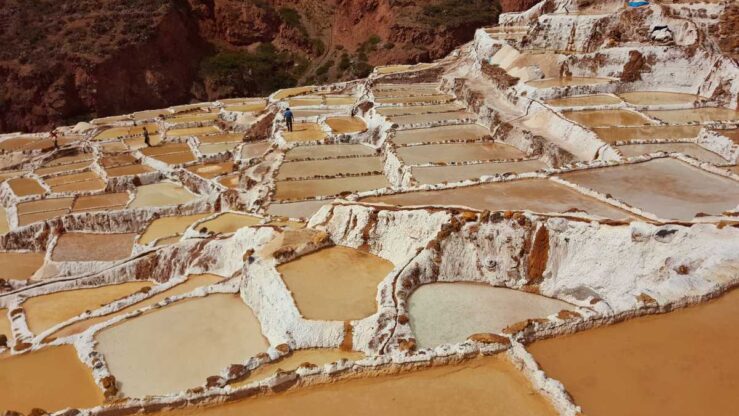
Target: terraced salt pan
135,143
45,311
52,170
222,138
330,167
51,379
246,108
211,170
76,182
290,190
440,134
352,275
296,359
103,202
5,327
457,152
432,118
625,134
695,115
229,222
169,227
257,149
346,125
537,195
329,151
666,187
292,92
448,313
690,149
230,181
419,109
29,144
175,153
658,98
607,118
193,282
16,265
116,132
311,112
304,132
67,160
128,170
648,371
193,131
567,82
584,101
411,91
301,209
193,117
93,247
41,210
4,226
26,187
732,134
161,195
195,339
150,114
490,383
215,148
439,174
428,99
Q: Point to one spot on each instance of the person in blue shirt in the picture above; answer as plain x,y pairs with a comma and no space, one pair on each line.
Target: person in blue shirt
289,119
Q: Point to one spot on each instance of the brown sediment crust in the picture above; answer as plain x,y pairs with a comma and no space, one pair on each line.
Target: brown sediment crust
538,256
347,343
498,75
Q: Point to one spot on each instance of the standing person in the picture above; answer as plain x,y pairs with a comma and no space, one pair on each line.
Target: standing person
289,119
146,137
55,136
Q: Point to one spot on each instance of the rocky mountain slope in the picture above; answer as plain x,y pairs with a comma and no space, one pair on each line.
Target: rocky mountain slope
65,61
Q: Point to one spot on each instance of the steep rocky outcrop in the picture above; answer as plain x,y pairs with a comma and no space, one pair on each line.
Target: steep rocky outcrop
517,5
65,61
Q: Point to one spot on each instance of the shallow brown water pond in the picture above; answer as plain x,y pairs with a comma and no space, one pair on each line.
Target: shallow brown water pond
679,363
179,346
51,379
19,265
352,276
490,386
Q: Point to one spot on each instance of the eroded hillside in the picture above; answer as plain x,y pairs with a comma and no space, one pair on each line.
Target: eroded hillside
65,61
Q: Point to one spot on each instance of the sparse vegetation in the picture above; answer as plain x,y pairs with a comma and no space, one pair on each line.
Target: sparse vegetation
246,73
455,13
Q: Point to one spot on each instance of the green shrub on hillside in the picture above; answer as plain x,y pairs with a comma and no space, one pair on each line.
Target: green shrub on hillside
260,72
455,13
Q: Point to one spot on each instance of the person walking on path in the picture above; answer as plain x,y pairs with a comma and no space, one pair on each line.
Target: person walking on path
55,136
146,137
289,119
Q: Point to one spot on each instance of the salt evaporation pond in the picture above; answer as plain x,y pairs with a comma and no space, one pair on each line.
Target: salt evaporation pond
538,195
51,379
179,346
352,276
680,363
45,311
16,265
161,195
169,227
193,282
666,187
444,313
489,385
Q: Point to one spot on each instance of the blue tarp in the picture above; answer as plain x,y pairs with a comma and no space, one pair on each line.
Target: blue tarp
638,3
